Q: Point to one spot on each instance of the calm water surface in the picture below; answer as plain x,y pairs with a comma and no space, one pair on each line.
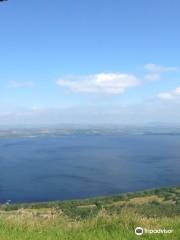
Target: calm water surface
79,166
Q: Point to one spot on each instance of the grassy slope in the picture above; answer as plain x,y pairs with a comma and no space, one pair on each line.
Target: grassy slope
109,218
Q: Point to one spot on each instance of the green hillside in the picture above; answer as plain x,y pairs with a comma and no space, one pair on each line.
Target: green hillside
105,218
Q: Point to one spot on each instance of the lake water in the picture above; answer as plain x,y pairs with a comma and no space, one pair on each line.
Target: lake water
81,165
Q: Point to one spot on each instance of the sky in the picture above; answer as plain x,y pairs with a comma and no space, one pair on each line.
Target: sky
89,62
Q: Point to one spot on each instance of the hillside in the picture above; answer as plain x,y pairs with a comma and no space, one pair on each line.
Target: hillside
105,218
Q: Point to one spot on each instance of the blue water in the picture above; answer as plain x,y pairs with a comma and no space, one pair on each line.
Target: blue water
80,166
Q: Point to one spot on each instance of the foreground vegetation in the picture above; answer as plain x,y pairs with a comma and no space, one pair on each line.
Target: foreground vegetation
107,218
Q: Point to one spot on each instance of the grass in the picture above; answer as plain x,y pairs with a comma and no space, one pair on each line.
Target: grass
105,218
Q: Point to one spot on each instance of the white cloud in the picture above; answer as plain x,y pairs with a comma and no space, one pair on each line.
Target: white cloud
170,95
159,69
165,95
107,83
155,71
19,84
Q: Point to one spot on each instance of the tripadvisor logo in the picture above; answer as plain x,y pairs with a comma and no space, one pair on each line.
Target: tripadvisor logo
140,231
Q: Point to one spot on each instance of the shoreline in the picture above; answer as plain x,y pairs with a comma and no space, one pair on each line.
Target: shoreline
116,197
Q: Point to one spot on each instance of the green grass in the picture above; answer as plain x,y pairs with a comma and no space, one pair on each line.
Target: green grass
105,218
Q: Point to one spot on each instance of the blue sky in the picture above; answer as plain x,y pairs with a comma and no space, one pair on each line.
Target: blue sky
105,61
